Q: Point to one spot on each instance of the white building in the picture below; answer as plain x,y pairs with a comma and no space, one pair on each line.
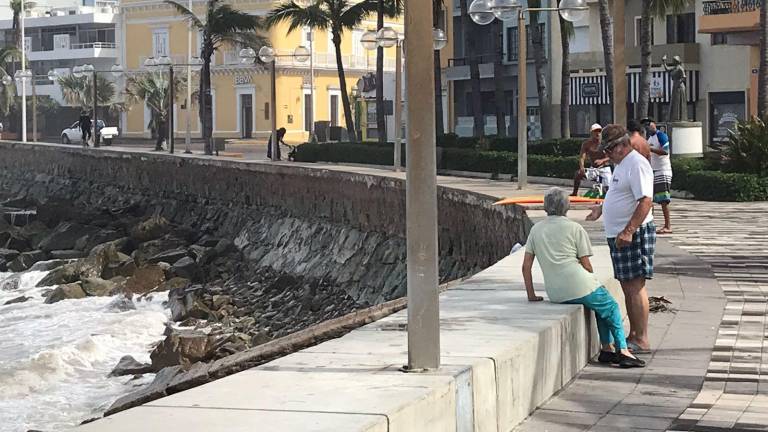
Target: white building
62,34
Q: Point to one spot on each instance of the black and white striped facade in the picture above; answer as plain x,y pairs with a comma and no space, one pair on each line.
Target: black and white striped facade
592,88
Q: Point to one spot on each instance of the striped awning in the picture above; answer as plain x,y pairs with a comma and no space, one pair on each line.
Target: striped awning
592,88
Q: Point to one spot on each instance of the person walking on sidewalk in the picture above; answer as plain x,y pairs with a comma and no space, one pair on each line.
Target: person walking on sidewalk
597,159
629,229
563,249
662,173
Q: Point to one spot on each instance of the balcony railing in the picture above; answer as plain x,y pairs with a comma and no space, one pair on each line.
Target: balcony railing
94,45
724,7
465,61
323,60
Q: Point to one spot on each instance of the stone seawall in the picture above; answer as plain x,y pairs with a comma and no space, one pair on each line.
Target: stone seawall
345,229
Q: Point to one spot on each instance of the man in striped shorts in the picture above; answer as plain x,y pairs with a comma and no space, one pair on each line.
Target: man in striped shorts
662,172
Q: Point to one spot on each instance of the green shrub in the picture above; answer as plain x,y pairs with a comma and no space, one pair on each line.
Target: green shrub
720,186
552,166
747,149
557,147
505,144
479,161
449,140
683,167
346,153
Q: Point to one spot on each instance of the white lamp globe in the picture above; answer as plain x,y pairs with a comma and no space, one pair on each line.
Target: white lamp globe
164,61
150,63
505,10
573,10
368,39
116,70
88,68
7,80
52,75
77,71
301,54
387,37
267,54
439,40
480,12
247,56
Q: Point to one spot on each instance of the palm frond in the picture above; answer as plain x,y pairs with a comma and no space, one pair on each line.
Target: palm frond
661,8
186,13
226,19
316,15
567,28
352,15
243,40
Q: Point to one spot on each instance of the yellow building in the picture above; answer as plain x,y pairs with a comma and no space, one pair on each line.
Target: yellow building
241,93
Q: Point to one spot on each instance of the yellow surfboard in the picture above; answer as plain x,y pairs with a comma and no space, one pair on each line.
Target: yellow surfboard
539,199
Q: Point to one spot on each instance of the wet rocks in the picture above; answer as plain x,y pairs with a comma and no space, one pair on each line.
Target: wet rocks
145,279
122,265
150,229
127,365
121,304
65,236
150,249
20,299
65,292
20,217
183,347
25,260
14,241
67,254
185,267
98,287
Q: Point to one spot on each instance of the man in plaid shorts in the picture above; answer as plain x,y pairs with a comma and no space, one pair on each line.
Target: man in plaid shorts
629,228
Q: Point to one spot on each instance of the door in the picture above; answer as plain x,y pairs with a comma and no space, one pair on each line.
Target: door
246,115
308,112
725,110
334,110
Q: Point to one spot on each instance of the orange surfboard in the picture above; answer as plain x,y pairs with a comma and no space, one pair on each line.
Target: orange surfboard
539,199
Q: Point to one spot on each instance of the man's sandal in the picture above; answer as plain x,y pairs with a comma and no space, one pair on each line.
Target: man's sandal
637,349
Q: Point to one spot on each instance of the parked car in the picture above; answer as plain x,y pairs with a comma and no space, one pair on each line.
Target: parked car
73,133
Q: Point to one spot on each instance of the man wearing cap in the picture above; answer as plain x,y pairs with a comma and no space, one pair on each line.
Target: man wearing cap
662,172
597,158
629,228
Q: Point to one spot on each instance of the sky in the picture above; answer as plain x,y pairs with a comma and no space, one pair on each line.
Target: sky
5,9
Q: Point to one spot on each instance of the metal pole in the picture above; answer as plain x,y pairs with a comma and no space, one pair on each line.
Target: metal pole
311,83
95,114
171,119
23,84
522,121
398,103
188,138
421,192
273,113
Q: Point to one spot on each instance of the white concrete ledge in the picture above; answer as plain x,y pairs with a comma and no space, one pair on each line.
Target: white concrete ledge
502,357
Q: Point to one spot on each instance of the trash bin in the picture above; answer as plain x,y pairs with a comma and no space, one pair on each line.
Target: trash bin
321,130
334,133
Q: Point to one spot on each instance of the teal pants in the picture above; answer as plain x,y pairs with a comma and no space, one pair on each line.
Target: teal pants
608,316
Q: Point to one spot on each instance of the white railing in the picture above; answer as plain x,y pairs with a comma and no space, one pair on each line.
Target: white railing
322,60
93,45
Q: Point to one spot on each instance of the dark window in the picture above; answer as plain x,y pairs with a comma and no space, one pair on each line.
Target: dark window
681,28
512,42
266,110
719,39
638,29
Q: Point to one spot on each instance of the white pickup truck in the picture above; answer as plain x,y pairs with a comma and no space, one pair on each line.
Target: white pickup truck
73,133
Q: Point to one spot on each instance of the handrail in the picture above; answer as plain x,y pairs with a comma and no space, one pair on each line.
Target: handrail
724,7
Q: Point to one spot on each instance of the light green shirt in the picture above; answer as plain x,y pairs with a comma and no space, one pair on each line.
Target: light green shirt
558,243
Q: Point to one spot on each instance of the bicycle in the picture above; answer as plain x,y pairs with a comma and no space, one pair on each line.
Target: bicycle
601,179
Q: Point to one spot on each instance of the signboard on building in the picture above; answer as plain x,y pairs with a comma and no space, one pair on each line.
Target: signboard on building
590,90
242,79
657,87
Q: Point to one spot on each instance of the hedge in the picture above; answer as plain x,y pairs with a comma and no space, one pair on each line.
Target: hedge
720,186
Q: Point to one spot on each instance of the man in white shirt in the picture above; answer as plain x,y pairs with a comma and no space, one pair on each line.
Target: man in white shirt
629,229
662,173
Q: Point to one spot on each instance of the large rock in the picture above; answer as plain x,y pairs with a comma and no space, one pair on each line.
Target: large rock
170,256
20,299
92,240
65,236
8,254
65,292
88,267
145,279
121,304
10,283
67,254
186,268
183,347
20,218
152,248
122,266
25,260
173,283
98,287
130,366
155,390
151,229
65,274
14,241
188,303
50,264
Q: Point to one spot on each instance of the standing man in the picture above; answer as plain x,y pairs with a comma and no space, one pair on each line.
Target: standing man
662,172
629,229
637,139
85,127
597,158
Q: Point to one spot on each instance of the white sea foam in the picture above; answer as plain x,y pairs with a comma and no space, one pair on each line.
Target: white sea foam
54,359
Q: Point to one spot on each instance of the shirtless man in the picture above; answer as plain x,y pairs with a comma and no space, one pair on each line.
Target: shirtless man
637,140
589,149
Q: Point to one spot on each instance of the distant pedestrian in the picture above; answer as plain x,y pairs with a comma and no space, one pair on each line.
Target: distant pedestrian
662,173
597,159
1,130
160,132
85,127
629,229
637,139
562,248
280,135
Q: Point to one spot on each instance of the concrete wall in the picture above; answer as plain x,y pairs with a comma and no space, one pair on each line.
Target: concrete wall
341,227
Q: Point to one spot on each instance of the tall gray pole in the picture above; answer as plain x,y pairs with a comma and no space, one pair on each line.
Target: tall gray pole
421,192
312,83
522,105
23,77
274,143
398,103
95,113
188,111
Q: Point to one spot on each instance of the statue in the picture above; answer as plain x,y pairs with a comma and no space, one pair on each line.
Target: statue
678,103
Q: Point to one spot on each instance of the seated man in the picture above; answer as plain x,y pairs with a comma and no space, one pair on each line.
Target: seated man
597,158
563,250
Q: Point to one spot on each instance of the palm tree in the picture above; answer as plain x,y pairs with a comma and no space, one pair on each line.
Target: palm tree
469,28
79,91
152,89
566,33
437,11
606,30
390,9
762,87
222,24
7,92
652,9
336,16
539,62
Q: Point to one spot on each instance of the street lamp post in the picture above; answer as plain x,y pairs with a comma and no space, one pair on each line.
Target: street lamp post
483,12
387,38
83,71
267,55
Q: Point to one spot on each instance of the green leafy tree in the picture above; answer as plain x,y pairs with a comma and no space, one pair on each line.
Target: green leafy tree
652,9
78,91
762,77
7,92
335,16
153,89
221,24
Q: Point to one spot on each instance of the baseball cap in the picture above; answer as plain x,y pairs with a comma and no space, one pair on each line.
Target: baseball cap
612,135
595,127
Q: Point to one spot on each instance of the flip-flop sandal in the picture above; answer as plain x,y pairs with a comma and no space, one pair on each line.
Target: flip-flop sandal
636,349
664,231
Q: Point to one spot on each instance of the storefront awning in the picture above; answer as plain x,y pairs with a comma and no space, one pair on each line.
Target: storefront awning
592,88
